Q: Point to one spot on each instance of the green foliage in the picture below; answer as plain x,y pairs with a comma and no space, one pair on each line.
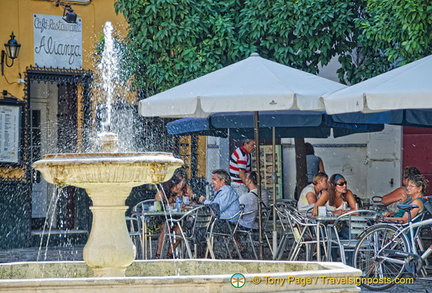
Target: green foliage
391,33
401,28
173,41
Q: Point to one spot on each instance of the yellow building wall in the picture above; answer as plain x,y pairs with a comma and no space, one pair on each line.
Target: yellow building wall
17,16
186,153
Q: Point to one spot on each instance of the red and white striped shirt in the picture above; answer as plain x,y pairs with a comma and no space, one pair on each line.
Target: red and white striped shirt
240,160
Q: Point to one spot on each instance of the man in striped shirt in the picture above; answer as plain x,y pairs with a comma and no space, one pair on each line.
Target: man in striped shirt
240,166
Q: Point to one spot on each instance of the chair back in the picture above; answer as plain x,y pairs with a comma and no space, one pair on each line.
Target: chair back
357,221
199,224
139,207
134,225
300,226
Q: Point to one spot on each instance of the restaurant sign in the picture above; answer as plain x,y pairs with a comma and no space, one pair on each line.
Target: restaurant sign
57,44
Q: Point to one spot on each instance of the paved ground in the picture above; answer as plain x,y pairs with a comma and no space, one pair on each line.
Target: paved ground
422,285
34,254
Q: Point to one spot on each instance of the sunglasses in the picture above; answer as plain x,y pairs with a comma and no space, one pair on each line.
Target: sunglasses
342,183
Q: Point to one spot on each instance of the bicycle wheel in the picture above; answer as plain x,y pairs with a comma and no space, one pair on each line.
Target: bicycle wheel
378,255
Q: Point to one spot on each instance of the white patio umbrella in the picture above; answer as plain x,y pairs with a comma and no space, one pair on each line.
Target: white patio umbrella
253,84
406,87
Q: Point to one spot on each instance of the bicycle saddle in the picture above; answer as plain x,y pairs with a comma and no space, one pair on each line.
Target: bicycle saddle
407,207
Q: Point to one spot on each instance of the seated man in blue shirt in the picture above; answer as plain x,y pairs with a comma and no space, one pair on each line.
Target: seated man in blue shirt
225,196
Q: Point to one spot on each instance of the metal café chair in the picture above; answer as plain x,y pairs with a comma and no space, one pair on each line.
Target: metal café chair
147,236
304,232
355,221
238,230
194,227
134,227
267,226
284,227
224,232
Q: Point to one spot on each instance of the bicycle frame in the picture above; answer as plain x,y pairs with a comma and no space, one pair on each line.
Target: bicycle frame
412,247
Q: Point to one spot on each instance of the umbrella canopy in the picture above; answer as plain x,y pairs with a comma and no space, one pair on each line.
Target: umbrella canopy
287,124
194,126
400,94
253,84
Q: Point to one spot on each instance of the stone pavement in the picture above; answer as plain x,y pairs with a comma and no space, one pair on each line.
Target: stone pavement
74,253
64,253
421,285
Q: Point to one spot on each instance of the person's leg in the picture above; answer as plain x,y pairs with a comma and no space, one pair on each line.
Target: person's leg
175,243
160,240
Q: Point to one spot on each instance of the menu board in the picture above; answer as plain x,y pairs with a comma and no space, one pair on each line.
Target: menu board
9,133
266,154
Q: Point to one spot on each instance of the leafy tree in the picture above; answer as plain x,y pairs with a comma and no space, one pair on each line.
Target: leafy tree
174,41
391,33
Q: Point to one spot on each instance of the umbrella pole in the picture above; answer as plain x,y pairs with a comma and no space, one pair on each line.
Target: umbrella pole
274,179
258,166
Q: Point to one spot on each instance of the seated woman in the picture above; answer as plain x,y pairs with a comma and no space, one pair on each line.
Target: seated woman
167,195
400,194
337,197
416,188
312,192
188,194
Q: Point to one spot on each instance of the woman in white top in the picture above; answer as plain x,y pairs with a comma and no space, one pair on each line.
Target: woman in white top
337,198
312,192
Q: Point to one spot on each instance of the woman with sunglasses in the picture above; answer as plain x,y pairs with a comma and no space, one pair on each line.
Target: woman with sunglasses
337,197
416,188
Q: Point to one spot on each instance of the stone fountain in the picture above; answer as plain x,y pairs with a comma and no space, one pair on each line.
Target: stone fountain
108,179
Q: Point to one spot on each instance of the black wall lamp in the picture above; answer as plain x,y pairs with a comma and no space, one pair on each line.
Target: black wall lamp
12,50
69,15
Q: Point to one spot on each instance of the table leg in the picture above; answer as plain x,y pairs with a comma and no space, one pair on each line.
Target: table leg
144,238
318,241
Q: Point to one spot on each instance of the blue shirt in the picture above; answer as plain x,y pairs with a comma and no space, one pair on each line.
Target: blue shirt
228,201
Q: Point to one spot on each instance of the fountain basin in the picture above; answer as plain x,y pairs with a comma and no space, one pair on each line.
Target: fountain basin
182,276
87,170
108,179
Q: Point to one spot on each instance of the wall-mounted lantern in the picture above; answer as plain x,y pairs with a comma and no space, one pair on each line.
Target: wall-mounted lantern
12,50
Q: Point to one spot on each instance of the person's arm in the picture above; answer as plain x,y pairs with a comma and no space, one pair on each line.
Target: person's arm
414,212
320,202
351,200
320,165
242,175
159,196
399,194
311,197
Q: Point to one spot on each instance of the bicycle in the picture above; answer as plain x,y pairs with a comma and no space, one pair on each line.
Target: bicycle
386,251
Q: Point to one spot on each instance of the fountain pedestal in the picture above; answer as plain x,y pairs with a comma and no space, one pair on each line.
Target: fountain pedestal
108,179
109,249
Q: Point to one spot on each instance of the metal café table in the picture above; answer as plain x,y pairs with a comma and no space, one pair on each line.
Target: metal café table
347,216
318,221
143,216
